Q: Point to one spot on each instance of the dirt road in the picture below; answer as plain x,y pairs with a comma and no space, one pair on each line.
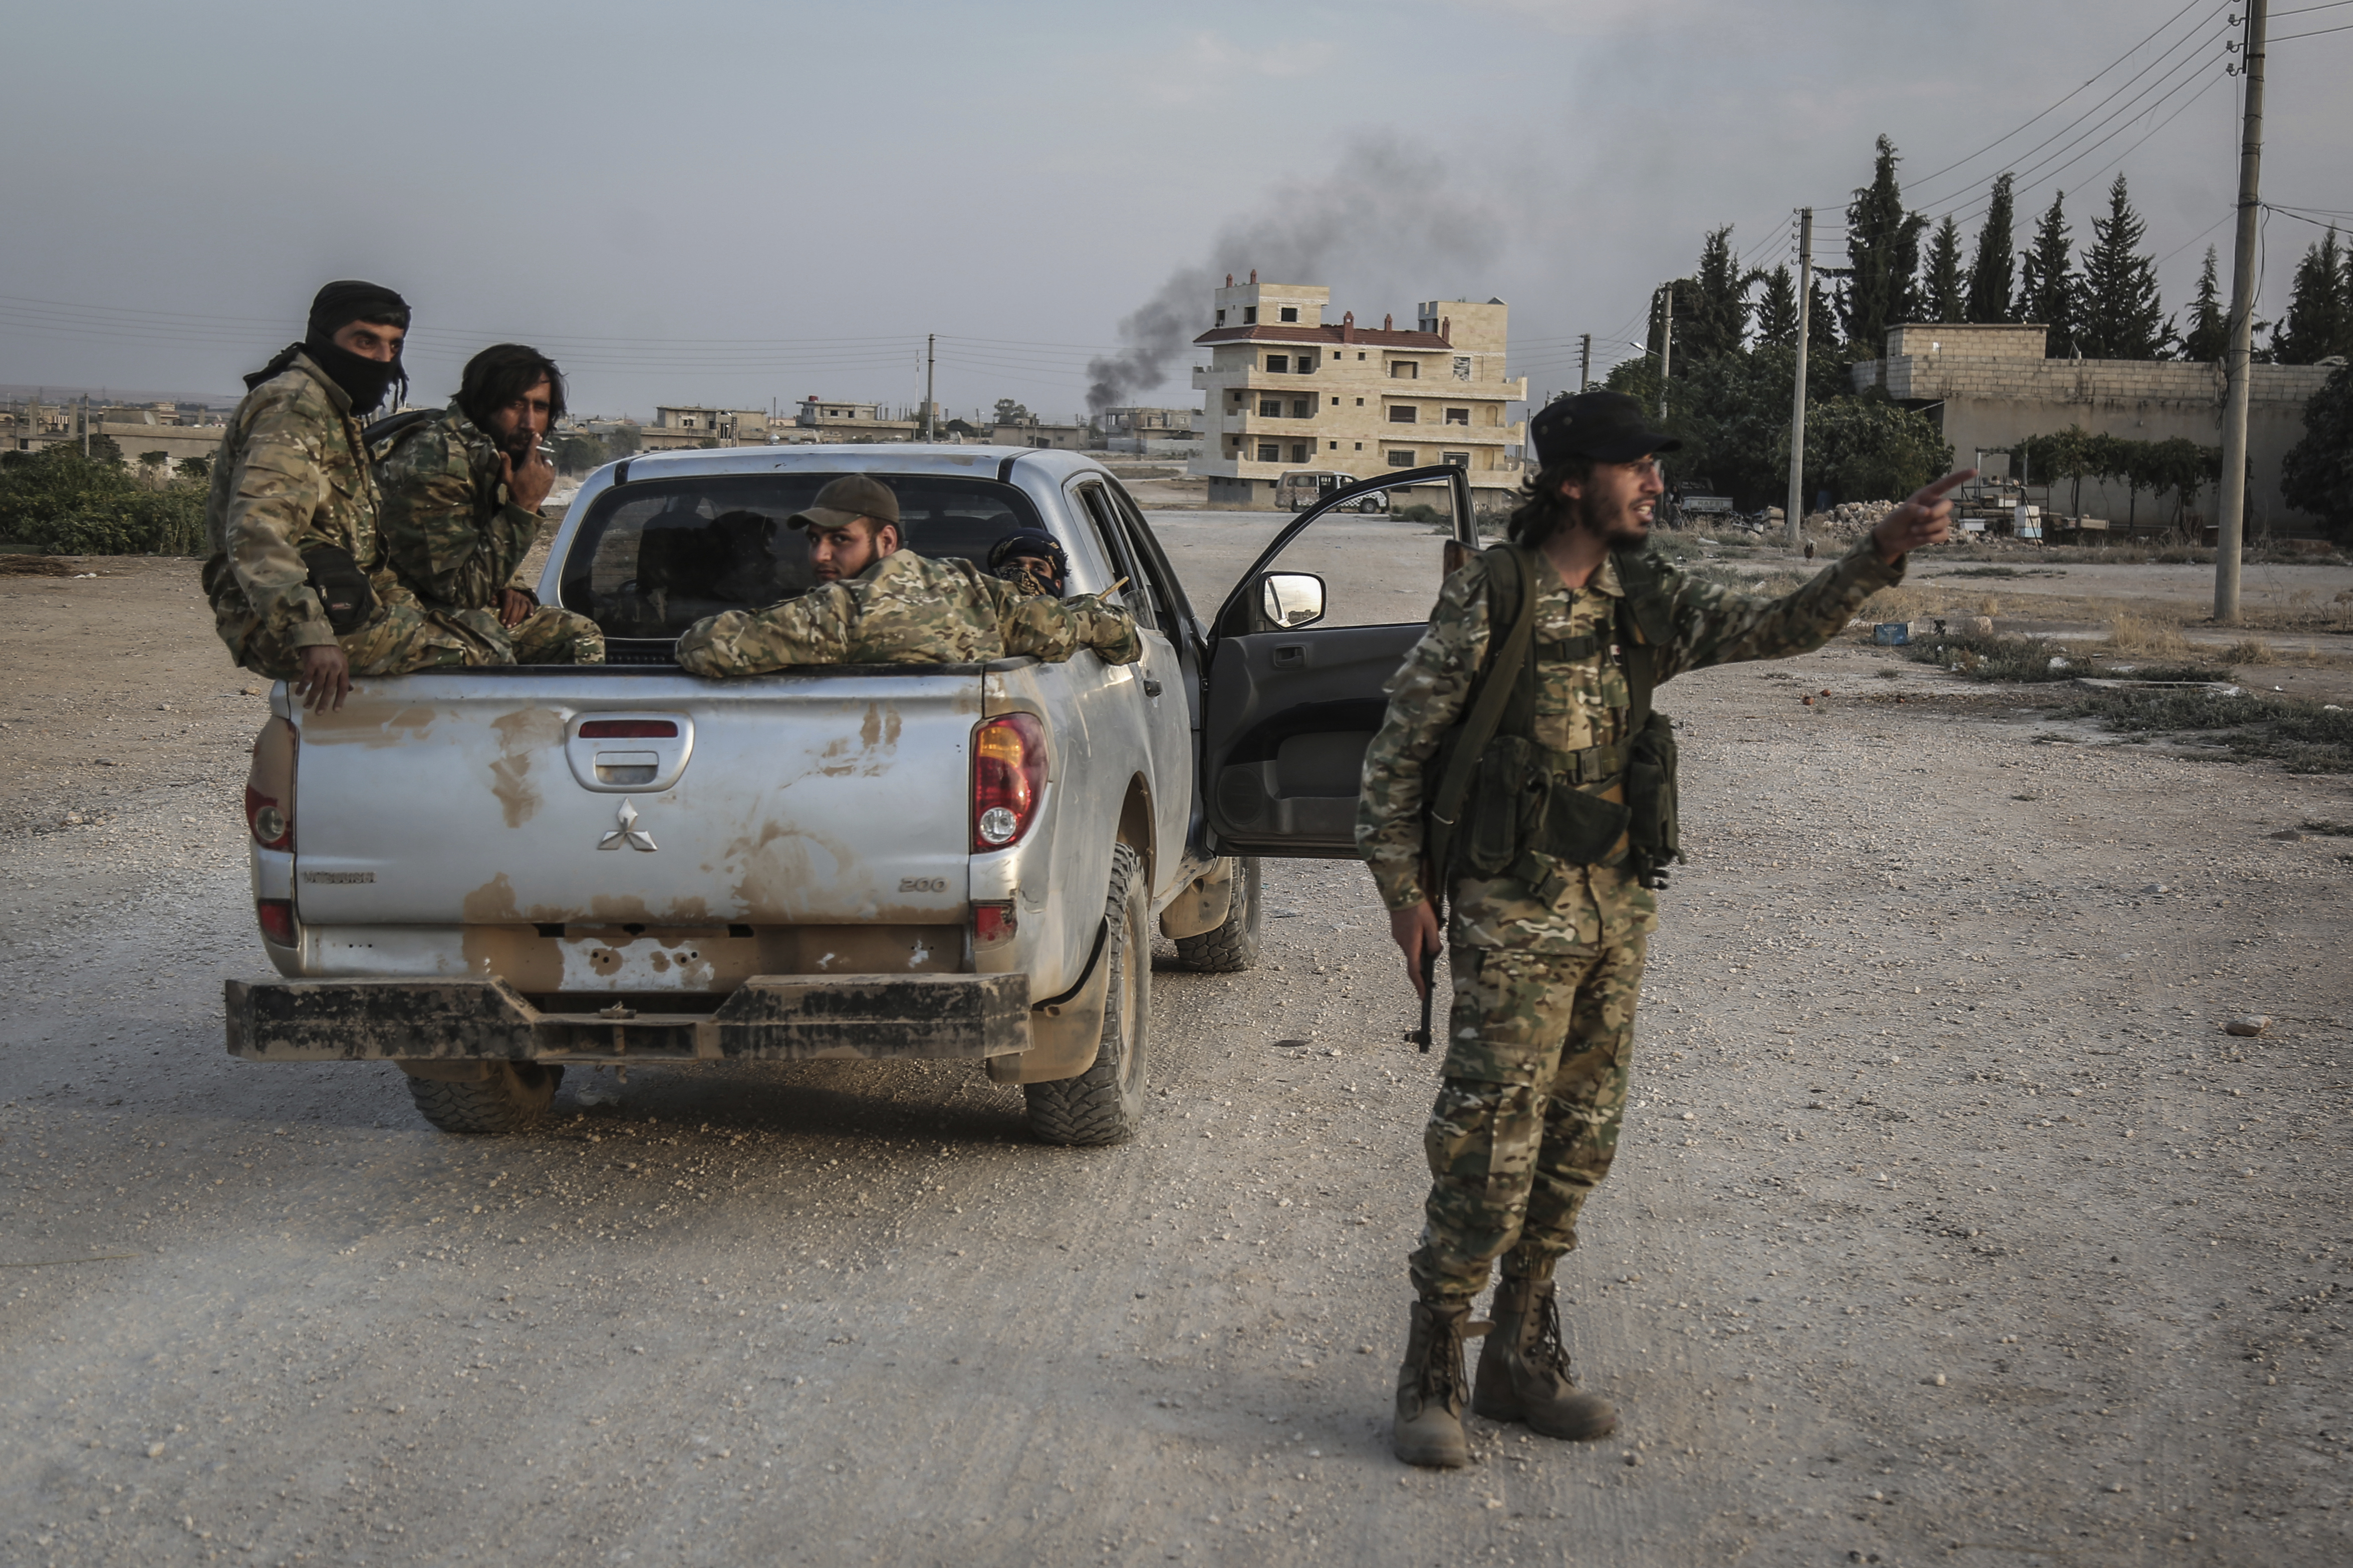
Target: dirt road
1948,1228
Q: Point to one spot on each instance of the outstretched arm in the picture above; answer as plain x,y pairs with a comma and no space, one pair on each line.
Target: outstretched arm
811,629
1054,629
1714,625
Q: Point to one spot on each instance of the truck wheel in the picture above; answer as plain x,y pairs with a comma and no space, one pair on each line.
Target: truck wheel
515,1095
1104,1103
1232,946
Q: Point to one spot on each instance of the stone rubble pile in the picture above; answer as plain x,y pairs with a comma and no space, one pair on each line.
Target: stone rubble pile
1849,520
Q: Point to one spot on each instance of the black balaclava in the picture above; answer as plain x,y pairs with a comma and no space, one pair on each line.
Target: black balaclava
364,381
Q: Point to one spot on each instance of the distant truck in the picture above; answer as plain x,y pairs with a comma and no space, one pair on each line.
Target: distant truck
1309,487
1697,498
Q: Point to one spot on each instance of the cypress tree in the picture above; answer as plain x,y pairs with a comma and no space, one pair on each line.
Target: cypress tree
1712,311
2209,328
1882,249
1822,325
2319,319
2047,288
1943,288
1992,270
1776,313
2122,316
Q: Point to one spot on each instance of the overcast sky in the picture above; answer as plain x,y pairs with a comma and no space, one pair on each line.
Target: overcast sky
734,203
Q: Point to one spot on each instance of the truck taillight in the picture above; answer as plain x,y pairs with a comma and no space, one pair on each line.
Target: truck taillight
1009,776
269,787
277,916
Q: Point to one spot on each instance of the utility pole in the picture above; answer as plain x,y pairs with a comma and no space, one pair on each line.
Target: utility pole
85,423
1794,514
1666,347
2231,531
1584,361
931,364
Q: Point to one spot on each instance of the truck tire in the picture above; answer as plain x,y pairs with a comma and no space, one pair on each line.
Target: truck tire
515,1095
1105,1103
1232,946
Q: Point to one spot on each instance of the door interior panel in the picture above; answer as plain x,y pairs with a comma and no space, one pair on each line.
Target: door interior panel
1290,714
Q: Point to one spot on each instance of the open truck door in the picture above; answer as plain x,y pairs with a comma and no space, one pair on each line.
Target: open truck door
1295,669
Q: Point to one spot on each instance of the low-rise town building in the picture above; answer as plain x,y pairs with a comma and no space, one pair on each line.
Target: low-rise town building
1988,387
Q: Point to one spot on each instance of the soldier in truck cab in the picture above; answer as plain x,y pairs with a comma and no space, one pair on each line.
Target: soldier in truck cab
296,574
877,601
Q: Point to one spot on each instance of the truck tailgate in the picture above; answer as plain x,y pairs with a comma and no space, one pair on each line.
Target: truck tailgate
546,794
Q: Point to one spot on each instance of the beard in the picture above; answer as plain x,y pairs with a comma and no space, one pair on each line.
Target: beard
1619,525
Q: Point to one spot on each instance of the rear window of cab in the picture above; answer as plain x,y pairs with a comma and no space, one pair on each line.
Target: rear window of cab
653,557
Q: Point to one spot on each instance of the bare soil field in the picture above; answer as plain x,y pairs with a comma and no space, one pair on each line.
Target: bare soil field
1949,1225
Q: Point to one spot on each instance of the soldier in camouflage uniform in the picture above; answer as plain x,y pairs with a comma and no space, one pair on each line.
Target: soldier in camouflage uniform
461,494
295,575
876,602
1548,969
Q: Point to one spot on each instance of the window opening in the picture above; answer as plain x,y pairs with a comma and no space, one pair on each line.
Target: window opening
1457,417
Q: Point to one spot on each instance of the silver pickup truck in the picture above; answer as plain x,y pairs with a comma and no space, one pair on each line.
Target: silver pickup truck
484,875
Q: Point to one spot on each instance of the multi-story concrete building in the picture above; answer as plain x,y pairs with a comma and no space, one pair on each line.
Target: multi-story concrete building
1989,386
1287,392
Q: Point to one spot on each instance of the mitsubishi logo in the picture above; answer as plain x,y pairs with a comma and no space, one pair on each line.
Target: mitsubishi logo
628,832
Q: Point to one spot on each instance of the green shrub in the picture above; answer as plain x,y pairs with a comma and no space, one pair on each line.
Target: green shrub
61,503
2302,737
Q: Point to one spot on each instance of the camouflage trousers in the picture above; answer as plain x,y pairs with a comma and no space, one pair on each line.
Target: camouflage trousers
1526,1119
400,638
549,636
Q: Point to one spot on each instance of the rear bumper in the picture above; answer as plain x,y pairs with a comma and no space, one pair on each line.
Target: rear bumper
768,1018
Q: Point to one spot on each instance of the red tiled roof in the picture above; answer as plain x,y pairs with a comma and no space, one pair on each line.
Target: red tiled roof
1372,336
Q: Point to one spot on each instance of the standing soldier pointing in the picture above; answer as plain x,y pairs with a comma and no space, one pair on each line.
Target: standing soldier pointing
1522,770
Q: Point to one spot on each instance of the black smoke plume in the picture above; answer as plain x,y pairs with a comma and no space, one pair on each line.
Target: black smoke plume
1386,222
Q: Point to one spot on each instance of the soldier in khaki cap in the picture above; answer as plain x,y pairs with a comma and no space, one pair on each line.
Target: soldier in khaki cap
877,601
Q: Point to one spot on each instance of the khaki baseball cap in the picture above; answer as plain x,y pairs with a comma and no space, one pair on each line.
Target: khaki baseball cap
845,500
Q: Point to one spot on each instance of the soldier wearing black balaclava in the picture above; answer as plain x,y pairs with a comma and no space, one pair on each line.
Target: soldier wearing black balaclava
296,577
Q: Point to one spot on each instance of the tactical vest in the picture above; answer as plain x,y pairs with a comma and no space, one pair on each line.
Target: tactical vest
1507,804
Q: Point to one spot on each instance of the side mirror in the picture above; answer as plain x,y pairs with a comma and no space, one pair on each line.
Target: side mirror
1288,600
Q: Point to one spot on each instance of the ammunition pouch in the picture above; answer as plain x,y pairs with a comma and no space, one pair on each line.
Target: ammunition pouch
1530,799
343,588
1654,831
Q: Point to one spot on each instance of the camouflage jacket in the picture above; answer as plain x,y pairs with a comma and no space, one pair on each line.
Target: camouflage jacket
908,609
1579,704
450,533
290,476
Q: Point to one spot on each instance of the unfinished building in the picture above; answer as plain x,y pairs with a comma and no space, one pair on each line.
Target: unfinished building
1286,392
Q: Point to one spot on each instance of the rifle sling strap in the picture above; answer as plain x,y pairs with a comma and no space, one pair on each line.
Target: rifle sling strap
1497,681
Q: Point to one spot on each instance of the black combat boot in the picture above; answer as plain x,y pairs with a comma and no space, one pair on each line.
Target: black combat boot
1523,1372
1430,1388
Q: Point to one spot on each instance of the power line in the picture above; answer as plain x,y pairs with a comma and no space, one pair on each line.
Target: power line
2315,33
2087,81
